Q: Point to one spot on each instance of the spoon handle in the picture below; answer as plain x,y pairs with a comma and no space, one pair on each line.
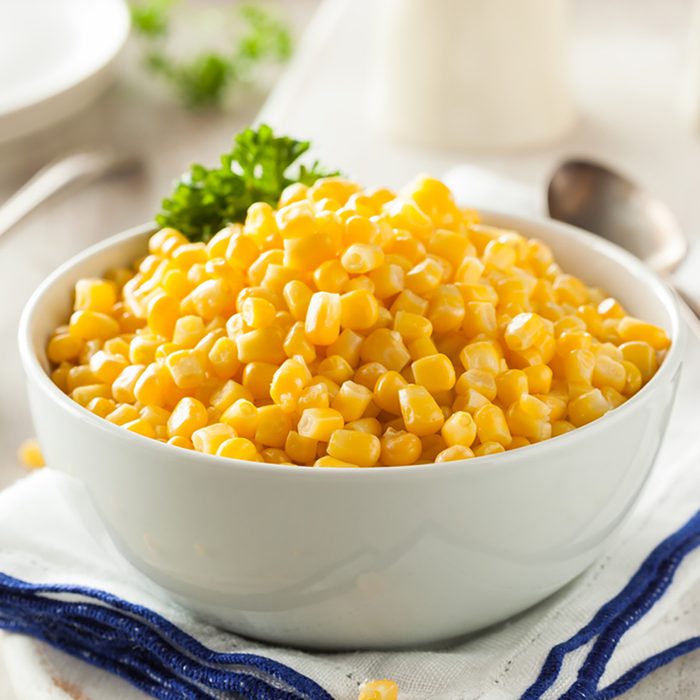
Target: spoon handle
691,305
83,166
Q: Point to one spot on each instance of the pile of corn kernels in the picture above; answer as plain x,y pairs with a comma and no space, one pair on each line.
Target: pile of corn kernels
351,328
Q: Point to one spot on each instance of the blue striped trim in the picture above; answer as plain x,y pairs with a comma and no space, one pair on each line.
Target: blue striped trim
142,647
615,618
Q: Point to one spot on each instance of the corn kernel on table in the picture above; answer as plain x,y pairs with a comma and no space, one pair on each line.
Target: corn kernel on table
637,45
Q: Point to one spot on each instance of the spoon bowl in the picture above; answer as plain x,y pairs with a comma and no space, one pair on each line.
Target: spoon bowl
594,197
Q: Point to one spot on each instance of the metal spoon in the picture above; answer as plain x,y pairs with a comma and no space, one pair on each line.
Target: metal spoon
593,197
78,167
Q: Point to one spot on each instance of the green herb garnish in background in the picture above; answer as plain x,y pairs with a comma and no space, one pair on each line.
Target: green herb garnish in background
257,169
208,77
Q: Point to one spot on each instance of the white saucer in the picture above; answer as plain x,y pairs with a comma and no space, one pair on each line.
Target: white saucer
55,57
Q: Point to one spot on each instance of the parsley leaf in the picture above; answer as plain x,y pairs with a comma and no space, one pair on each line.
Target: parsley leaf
205,79
257,169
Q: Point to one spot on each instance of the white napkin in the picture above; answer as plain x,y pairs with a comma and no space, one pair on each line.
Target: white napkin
49,533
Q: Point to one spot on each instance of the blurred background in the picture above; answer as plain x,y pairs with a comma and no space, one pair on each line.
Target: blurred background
383,88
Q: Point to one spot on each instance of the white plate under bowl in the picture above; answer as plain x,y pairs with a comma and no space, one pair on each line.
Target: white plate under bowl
55,57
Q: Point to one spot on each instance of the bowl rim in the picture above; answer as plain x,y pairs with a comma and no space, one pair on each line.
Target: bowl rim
35,372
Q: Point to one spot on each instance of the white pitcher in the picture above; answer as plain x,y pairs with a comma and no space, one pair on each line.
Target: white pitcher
472,74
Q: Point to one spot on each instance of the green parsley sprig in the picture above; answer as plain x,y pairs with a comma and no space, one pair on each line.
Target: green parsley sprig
207,78
257,169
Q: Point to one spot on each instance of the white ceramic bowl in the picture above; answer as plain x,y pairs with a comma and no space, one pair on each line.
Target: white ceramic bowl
359,558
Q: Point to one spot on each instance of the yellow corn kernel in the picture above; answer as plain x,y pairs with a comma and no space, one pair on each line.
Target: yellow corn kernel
260,223
242,416
435,372
511,385
188,331
451,246
587,407
319,423
386,391
570,290
517,442
155,415
295,219
143,349
261,345
223,358
347,346
362,449
123,385
335,368
368,374
385,347
297,296
297,343
432,446
64,346
186,369
300,449
633,379
105,367
579,366
446,309
424,277
273,426
366,425
147,389
632,329
459,429
421,347
313,396
529,417
361,258
613,397
421,414
559,427
641,354
359,310
572,340
288,382
86,325
322,323
209,438
491,425
411,326
309,251
228,394
141,427
388,279
411,302
178,441
122,414
399,447
29,454
526,330
499,255
483,355
239,448
470,401
539,378
608,373
479,380
275,455
95,295
79,376
488,448
258,312
328,461
101,406
330,276
257,378
610,308
453,453
60,376
477,292
86,393
189,415
117,346
352,400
